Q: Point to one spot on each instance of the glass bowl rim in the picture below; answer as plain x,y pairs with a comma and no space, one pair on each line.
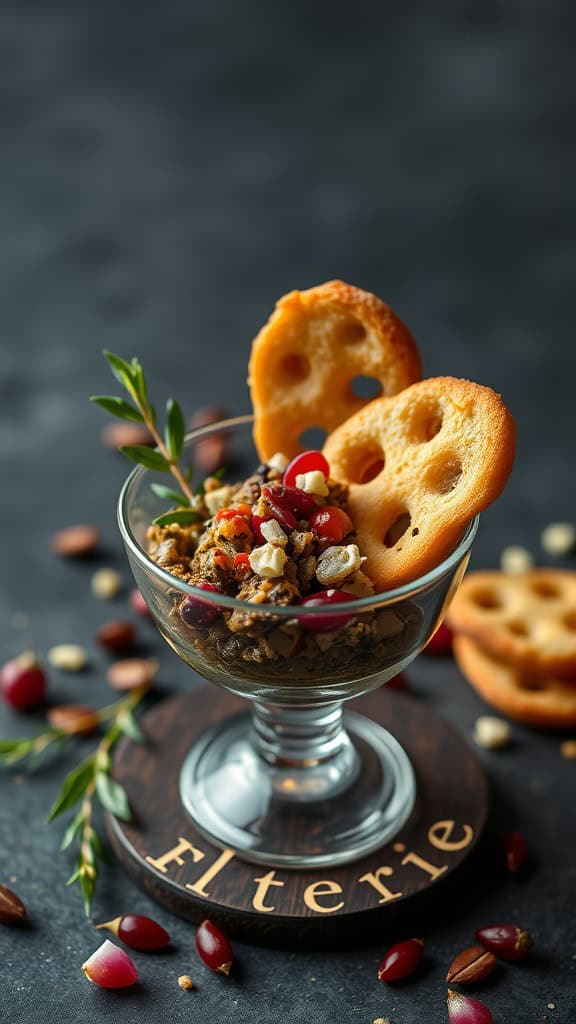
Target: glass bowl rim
357,606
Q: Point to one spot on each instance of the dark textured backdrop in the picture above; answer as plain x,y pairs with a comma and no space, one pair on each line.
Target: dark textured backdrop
169,170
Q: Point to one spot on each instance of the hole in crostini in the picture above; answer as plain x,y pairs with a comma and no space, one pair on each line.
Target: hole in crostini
312,438
530,682
425,421
294,367
361,461
545,590
366,388
349,331
518,628
397,530
444,475
569,621
487,599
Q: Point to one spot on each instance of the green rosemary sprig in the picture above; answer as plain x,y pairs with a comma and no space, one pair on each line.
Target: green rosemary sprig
165,458
88,781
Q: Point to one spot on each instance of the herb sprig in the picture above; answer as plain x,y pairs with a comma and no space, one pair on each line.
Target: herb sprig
88,781
165,458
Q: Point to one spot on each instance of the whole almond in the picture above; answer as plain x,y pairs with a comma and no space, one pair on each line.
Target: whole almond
73,719
12,910
116,636
131,673
76,541
115,435
470,966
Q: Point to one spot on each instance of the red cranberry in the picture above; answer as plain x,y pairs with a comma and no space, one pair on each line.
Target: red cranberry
324,623
441,641
214,948
306,462
401,960
283,517
196,612
397,682
138,931
332,523
23,682
138,603
293,498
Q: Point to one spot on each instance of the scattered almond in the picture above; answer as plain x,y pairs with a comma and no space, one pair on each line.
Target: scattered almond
76,541
73,718
117,434
116,636
559,538
68,657
106,583
492,733
131,673
12,910
568,749
516,559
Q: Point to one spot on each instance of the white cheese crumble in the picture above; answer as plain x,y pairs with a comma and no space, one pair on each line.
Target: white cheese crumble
492,733
313,483
273,533
215,500
268,561
559,538
279,461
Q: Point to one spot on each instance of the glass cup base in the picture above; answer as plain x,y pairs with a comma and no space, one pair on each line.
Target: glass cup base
305,814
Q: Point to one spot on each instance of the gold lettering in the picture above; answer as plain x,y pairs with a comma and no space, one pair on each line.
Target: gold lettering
430,869
215,869
325,888
263,884
442,841
175,855
374,879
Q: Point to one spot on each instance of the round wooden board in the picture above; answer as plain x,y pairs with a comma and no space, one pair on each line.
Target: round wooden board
179,868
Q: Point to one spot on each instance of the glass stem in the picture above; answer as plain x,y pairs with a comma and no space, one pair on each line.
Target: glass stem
307,747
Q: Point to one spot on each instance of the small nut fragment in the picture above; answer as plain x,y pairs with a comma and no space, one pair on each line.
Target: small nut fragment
185,982
68,657
106,583
568,749
278,461
117,434
360,585
73,719
76,541
268,561
217,499
515,559
273,533
116,636
492,733
131,673
559,538
470,966
337,563
12,910
313,483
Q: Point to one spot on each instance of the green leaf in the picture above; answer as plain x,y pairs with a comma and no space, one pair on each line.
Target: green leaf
118,407
74,876
122,371
219,473
73,787
184,517
139,380
169,495
175,429
7,746
74,827
130,727
99,849
146,457
113,797
87,884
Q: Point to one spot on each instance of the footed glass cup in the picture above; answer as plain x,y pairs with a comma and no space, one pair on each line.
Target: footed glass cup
293,781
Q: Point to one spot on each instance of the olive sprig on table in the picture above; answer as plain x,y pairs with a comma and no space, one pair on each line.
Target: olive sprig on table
165,458
88,781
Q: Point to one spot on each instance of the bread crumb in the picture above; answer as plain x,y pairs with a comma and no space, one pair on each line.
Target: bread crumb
515,559
381,1020
568,749
492,733
559,538
185,982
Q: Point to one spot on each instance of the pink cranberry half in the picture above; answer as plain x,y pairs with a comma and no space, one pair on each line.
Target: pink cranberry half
324,623
196,612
